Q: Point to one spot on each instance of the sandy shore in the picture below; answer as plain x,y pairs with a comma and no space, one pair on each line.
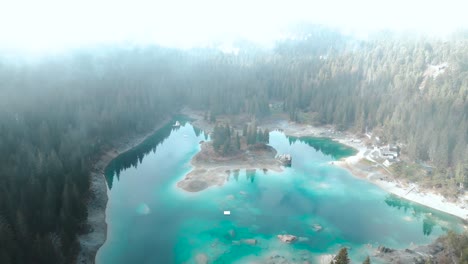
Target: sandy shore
429,199
96,221
366,168
359,165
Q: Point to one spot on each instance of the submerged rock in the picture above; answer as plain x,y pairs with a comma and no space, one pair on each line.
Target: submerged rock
317,227
201,259
277,259
143,209
214,243
232,233
250,241
287,238
382,249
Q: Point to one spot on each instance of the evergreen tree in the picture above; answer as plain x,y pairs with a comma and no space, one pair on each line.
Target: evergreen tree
367,260
244,131
217,137
212,118
266,136
342,257
53,129
226,147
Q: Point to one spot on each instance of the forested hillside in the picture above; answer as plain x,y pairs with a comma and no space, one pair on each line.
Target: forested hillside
55,118
57,114
374,84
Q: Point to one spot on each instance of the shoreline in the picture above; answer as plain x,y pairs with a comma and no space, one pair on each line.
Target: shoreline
376,175
91,242
210,169
411,191
384,180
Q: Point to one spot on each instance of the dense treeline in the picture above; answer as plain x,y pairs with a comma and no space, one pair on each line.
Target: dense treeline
228,141
377,85
254,135
134,156
225,139
57,114
54,119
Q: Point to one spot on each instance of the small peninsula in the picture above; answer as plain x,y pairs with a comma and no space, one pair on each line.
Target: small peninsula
230,151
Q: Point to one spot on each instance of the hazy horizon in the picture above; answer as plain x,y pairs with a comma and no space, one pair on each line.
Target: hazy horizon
51,26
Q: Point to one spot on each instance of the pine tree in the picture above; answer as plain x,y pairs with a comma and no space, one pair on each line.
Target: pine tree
21,225
212,117
226,147
367,260
266,136
245,131
46,132
217,137
342,257
460,175
259,135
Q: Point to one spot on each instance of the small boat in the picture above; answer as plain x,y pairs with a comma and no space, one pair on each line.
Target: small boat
177,124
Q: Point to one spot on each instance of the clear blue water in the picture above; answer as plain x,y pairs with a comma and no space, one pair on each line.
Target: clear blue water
150,220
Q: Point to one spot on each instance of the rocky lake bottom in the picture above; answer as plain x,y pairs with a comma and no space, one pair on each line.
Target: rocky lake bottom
151,220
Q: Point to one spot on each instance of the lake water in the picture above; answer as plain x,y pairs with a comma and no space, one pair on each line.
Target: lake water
150,220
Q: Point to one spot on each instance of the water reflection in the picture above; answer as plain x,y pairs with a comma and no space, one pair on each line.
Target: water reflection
250,175
295,201
135,156
326,146
429,220
236,175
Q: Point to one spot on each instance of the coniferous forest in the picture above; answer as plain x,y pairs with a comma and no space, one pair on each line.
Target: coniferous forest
59,112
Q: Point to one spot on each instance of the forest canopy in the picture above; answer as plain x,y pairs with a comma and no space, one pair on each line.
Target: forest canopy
56,114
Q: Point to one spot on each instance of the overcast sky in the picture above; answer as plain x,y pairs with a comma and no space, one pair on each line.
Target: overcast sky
56,24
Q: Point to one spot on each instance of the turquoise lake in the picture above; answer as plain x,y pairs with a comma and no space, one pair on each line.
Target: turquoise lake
150,220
